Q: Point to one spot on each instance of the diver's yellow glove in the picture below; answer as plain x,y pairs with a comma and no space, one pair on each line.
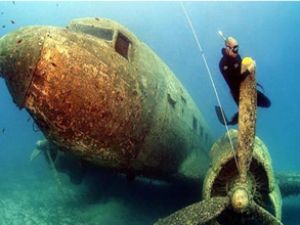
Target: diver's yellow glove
248,65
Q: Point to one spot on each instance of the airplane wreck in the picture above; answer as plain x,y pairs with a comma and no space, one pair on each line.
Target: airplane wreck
97,92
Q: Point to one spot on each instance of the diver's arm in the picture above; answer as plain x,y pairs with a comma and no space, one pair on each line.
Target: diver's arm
244,75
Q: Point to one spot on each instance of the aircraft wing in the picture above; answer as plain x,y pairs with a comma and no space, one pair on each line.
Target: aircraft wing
289,183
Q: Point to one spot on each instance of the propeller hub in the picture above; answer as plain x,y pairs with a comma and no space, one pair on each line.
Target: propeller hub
240,200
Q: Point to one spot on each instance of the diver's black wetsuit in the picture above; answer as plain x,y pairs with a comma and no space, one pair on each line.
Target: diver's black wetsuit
230,69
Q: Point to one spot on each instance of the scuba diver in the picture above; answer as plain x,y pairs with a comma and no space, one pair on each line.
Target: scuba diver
230,67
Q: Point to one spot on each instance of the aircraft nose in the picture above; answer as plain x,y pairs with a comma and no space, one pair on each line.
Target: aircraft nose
19,54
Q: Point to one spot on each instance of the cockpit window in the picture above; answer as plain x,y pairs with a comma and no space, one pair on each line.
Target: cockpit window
103,33
122,45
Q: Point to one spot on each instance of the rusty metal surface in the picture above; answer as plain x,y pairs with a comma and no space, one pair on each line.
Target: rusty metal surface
83,102
19,54
125,113
247,123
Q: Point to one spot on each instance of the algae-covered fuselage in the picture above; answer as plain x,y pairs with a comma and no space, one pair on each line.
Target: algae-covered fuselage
98,92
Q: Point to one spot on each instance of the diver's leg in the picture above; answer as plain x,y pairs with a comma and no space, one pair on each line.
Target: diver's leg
235,95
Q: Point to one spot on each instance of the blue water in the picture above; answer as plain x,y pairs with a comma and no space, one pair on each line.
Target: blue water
267,31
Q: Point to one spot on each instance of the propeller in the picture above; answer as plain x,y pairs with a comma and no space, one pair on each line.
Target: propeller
197,213
266,218
240,196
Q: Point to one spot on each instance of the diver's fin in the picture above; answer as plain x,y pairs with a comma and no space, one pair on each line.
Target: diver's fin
35,153
263,100
262,88
220,114
234,119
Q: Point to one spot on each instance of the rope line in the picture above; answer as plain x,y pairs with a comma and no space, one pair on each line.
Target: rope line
211,79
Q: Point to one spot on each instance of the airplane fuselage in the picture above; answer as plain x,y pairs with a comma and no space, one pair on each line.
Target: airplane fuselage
98,92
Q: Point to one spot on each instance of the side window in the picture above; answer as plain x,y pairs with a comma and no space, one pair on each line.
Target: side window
102,33
183,99
195,123
122,45
171,101
201,131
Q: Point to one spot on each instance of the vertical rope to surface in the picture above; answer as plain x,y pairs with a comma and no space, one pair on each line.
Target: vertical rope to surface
211,79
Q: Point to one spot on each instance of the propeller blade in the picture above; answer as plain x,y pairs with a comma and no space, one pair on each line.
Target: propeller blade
247,117
197,213
265,217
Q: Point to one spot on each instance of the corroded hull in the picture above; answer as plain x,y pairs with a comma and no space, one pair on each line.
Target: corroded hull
98,92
